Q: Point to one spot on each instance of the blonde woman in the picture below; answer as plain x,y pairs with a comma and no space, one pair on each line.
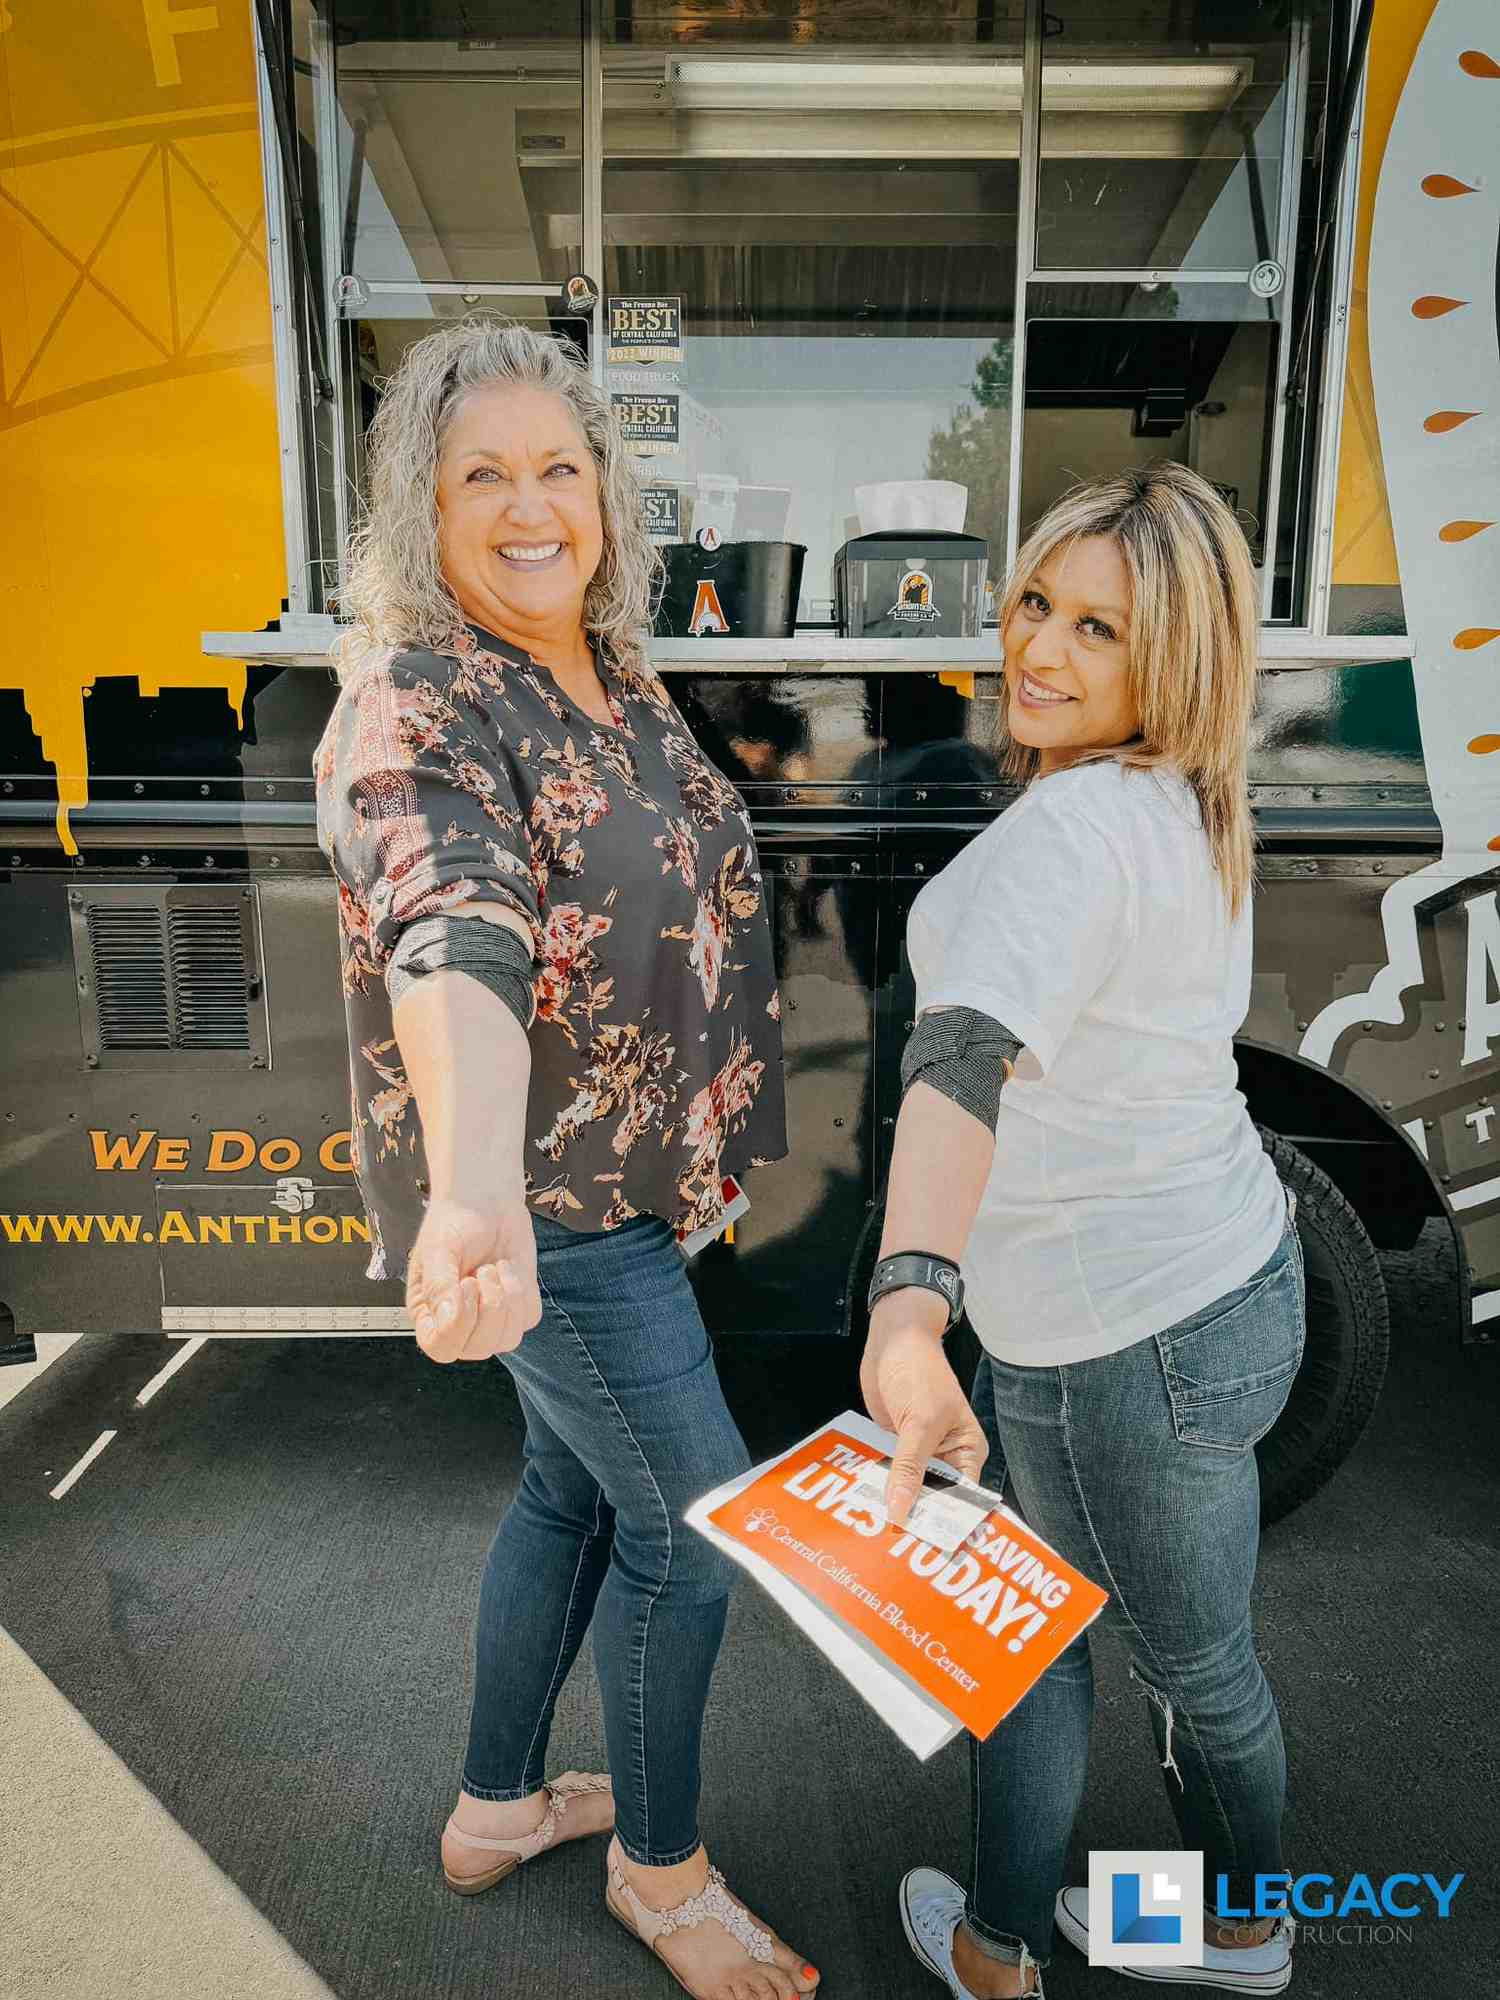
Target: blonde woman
1072,1136
563,1033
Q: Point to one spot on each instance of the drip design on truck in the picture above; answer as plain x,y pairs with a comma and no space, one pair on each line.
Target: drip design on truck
1434,296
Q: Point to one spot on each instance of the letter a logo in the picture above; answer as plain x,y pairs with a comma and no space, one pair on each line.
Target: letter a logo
708,612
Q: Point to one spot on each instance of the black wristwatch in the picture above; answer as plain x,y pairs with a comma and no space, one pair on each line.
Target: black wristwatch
921,1268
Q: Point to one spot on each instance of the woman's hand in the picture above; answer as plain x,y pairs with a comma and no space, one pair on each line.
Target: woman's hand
471,1279
910,1389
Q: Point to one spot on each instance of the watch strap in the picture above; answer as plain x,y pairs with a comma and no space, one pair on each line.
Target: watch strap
927,1272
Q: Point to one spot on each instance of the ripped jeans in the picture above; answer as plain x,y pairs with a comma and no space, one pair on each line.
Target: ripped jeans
1139,1468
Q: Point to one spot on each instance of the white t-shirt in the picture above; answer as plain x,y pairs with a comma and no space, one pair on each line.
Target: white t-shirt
1129,1187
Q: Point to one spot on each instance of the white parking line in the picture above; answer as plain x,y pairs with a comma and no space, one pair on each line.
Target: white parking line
164,1375
83,1464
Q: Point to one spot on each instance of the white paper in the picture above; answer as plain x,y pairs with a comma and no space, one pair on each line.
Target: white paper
942,1520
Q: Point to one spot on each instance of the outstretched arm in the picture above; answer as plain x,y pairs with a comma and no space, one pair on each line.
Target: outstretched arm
471,1278
955,1066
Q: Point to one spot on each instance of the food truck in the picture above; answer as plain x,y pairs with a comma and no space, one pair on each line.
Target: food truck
872,282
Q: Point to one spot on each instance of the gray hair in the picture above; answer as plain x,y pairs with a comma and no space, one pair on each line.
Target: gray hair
396,593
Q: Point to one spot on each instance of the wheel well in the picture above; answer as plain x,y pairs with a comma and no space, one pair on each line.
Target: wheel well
1373,1163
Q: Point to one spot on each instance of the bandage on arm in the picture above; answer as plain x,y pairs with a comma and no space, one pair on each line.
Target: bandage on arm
963,1054
491,953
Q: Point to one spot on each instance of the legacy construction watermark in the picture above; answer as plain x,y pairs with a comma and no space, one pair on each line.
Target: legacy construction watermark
1152,1906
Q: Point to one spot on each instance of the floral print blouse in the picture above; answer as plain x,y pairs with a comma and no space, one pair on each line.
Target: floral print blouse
656,1047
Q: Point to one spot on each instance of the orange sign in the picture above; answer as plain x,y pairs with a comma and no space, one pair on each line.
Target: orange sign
974,1626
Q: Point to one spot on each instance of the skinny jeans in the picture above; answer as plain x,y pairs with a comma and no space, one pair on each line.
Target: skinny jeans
626,1425
1139,1468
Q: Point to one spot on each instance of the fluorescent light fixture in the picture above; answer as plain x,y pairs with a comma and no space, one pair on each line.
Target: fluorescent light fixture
704,84
1147,86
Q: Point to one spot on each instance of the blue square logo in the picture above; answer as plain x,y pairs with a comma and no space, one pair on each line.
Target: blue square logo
1145,1907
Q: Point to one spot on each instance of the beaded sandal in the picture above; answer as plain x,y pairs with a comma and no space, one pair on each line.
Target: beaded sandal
650,1926
560,1791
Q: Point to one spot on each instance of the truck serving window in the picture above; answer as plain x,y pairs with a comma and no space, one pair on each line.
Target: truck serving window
840,252
1173,228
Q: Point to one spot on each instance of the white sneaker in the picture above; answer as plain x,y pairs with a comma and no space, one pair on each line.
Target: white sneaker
1259,1968
931,1905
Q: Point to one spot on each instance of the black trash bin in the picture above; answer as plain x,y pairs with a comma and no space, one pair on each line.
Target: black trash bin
740,590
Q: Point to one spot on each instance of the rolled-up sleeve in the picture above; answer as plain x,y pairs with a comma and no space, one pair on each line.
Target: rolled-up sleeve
415,814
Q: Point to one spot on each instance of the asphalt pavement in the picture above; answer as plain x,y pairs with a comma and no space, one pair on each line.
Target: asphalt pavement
237,1680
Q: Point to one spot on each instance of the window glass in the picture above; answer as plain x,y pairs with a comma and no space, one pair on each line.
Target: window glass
1328,35
391,322
459,139
1120,375
831,209
1161,134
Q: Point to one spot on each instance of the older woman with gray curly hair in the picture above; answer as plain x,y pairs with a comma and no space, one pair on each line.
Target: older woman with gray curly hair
547,1099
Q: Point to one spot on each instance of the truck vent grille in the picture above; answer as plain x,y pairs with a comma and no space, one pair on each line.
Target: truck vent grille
130,977
169,971
210,980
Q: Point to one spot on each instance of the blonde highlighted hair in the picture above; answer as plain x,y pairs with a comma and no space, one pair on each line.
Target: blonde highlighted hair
1194,625
396,593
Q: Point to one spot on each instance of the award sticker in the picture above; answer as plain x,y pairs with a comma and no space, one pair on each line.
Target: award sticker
914,605
648,424
580,293
645,330
662,507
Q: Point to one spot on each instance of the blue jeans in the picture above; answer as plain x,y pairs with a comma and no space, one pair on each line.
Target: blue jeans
1139,1468
626,1425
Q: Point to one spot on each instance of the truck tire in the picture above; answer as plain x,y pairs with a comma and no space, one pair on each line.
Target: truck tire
1348,1340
